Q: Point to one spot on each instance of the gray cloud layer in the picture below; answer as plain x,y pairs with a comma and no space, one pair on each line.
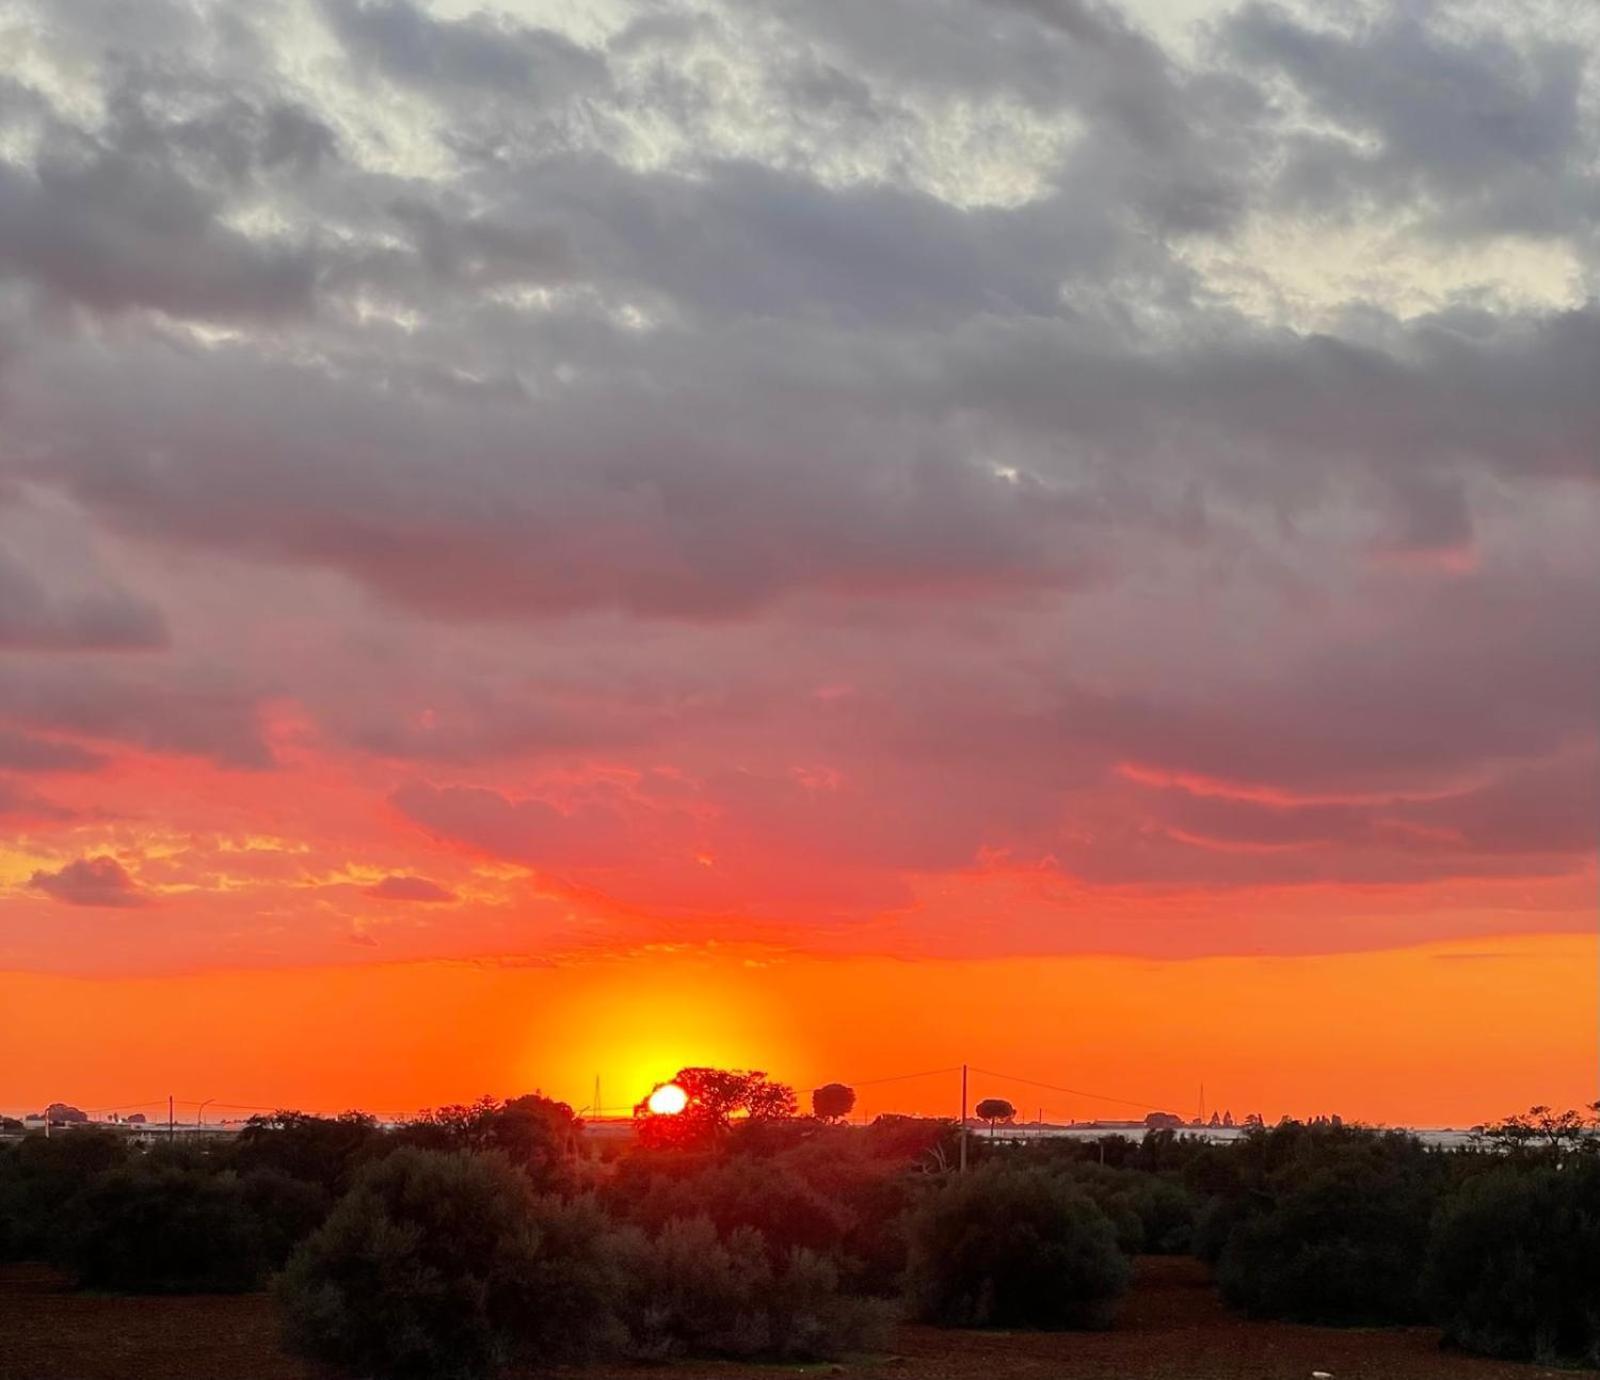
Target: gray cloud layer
978,400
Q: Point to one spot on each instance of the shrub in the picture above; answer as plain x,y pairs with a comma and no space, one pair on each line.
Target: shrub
743,1192
537,1134
1152,1214
1341,1242
1011,1248
286,1211
38,1177
324,1150
1214,1224
1166,1212
157,1229
1514,1264
692,1292
446,1265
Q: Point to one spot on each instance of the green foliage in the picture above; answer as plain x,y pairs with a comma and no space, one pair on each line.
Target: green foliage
733,1191
1514,1264
446,1265
1152,1213
153,1228
692,1291
1330,1226
1014,1248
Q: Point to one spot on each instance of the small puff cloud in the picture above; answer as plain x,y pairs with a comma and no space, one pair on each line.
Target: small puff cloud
406,888
99,882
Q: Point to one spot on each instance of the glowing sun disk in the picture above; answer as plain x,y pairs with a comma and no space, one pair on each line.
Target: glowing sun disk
668,1100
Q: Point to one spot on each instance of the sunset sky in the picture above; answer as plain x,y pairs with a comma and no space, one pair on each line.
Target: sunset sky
843,537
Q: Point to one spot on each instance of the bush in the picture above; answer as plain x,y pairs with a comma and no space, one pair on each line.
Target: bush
692,1292
537,1134
151,1229
740,1191
286,1211
38,1176
446,1265
1214,1224
1010,1248
1152,1215
1514,1264
325,1150
1342,1242
1166,1212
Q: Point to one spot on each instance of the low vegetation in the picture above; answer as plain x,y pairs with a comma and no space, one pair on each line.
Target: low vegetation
1513,1265
487,1234
1009,1247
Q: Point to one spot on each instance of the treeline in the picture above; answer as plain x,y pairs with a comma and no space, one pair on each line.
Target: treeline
492,1234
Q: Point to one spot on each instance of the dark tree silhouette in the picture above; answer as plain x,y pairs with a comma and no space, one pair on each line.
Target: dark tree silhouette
324,1150
715,1097
536,1133
993,1109
833,1101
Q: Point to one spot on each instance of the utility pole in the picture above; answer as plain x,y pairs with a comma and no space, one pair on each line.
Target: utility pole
172,1124
963,1118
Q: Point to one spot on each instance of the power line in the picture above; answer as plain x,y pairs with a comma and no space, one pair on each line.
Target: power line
1146,1103
892,1078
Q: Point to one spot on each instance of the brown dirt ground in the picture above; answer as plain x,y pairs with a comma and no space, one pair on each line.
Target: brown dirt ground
1171,1327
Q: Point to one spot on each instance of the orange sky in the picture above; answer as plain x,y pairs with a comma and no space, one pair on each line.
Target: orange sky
1439,1035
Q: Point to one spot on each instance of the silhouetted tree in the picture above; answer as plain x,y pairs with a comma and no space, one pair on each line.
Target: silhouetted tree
536,1133
715,1097
447,1267
1514,1263
1548,1134
152,1228
833,1101
993,1109
1010,1248
322,1150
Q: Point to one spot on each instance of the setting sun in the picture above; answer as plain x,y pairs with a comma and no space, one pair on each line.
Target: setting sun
668,1100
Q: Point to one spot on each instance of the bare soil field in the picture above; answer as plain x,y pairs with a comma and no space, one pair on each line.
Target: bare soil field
1171,1327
